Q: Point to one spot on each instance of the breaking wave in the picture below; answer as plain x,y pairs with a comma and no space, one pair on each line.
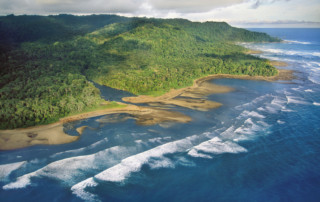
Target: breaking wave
316,103
215,146
297,42
291,52
7,169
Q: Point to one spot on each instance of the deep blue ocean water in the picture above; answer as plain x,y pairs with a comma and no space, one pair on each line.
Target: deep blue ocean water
263,144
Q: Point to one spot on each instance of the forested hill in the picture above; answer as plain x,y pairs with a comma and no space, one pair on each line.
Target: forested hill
48,61
18,29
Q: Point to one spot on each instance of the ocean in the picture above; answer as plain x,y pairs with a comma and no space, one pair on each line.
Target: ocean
263,144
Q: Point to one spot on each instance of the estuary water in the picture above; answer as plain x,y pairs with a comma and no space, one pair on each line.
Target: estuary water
263,144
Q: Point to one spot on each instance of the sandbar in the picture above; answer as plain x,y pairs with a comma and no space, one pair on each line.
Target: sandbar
47,134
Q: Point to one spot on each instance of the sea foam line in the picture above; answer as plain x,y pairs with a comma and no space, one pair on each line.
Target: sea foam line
80,150
290,52
297,42
316,103
70,169
296,100
7,169
134,163
131,164
215,146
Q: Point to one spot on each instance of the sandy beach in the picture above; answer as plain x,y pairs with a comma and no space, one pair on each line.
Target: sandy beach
48,134
52,134
193,97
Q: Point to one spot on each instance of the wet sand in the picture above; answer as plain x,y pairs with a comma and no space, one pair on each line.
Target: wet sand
278,63
253,52
192,97
48,134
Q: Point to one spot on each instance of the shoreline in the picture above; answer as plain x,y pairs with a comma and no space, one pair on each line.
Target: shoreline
192,97
200,89
53,134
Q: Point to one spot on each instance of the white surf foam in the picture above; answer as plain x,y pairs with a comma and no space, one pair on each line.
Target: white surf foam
183,161
262,123
134,163
296,89
287,110
81,150
79,189
215,146
253,102
246,113
297,42
249,128
295,100
314,79
162,162
290,52
309,90
228,133
20,183
280,122
69,170
316,103
7,169
195,153
275,105
62,170
138,141
156,139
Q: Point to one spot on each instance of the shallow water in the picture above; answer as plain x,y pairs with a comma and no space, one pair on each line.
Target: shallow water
261,145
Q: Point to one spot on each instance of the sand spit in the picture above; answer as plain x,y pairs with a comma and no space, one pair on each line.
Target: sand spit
253,52
278,63
192,97
147,116
48,134
81,129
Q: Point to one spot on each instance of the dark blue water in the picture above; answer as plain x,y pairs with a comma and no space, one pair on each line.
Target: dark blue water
263,144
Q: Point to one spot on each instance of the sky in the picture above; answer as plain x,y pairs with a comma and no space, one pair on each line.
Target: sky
240,13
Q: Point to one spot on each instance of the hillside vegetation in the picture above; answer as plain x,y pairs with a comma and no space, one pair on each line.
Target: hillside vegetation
48,63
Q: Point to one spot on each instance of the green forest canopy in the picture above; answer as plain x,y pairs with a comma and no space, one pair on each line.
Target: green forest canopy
48,63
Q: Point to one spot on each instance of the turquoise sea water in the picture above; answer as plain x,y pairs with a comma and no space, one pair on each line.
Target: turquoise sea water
263,144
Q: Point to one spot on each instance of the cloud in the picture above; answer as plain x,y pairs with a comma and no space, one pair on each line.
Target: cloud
119,6
69,6
191,6
258,3
198,10
277,23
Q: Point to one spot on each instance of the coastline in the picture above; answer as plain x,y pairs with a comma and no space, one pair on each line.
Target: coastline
192,97
53,134
200,89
